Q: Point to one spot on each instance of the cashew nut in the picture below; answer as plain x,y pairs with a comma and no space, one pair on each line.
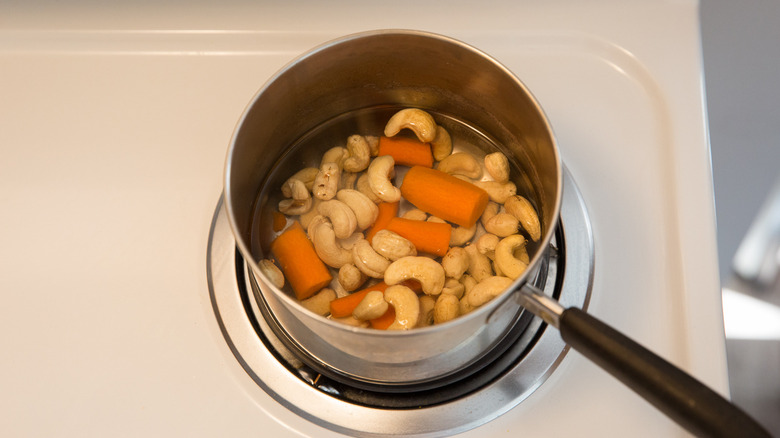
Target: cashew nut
427,271
341,216
320,303
498,192
358,154
447,308
490,210
522,209
441,145
307,217
479,264
291,207
453,287
460,235
372,306
324,239
486,244
415,214
369,261
497,166
464,307
511,266
364,208
348,180
461,163
373,144
338,288
350,277
455,262
468,283
272,272
305,175
363,187
334,155
417,120
379,173
351,321
349,242
295,189
326,183
406,305
392,245
502,225
427,303
487,289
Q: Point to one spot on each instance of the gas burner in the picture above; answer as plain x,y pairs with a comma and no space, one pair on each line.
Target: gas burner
513,370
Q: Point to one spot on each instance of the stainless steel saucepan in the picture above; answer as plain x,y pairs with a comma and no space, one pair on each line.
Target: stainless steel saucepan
352,85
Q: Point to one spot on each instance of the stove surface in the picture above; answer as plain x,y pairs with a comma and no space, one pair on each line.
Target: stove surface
115,125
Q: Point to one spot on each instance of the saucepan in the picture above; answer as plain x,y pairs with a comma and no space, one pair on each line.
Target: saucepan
352,85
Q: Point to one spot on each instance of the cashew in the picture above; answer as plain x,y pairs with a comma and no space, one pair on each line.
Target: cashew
502,225
522,209
468,283
461,235
364,208
334,155
427,303
441,145
349,242
447,308
272,272
291,207
427,271
490,210
326,183
373,144
307,217
348,180
417,120
497,166
338,288
369,261
486,244
461,163
350,277
436,219
324,239
305,175
479,264
341,216
358,154
455,262
363,187
351,321
498,192
372,306
464,307
295,189
487,289
406,305
379,173
511,266
392,245
453,287
320,303
415,214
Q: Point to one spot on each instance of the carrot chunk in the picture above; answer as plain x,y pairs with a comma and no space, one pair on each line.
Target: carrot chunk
387,211
406,151
304,270
430,237
342,307
384,321
443,195
279,221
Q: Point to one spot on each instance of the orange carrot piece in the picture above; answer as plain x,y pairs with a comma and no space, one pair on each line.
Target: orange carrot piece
443,195
303,269
384,321
279,221
430,237
406,151
387,211
342,307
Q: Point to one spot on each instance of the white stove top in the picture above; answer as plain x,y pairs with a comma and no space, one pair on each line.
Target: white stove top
114,127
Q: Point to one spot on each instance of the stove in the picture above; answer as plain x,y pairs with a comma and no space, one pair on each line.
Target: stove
128,311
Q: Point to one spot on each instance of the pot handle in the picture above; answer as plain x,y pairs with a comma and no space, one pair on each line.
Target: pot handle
677,394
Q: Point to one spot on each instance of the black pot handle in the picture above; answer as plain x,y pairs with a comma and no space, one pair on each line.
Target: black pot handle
684,399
